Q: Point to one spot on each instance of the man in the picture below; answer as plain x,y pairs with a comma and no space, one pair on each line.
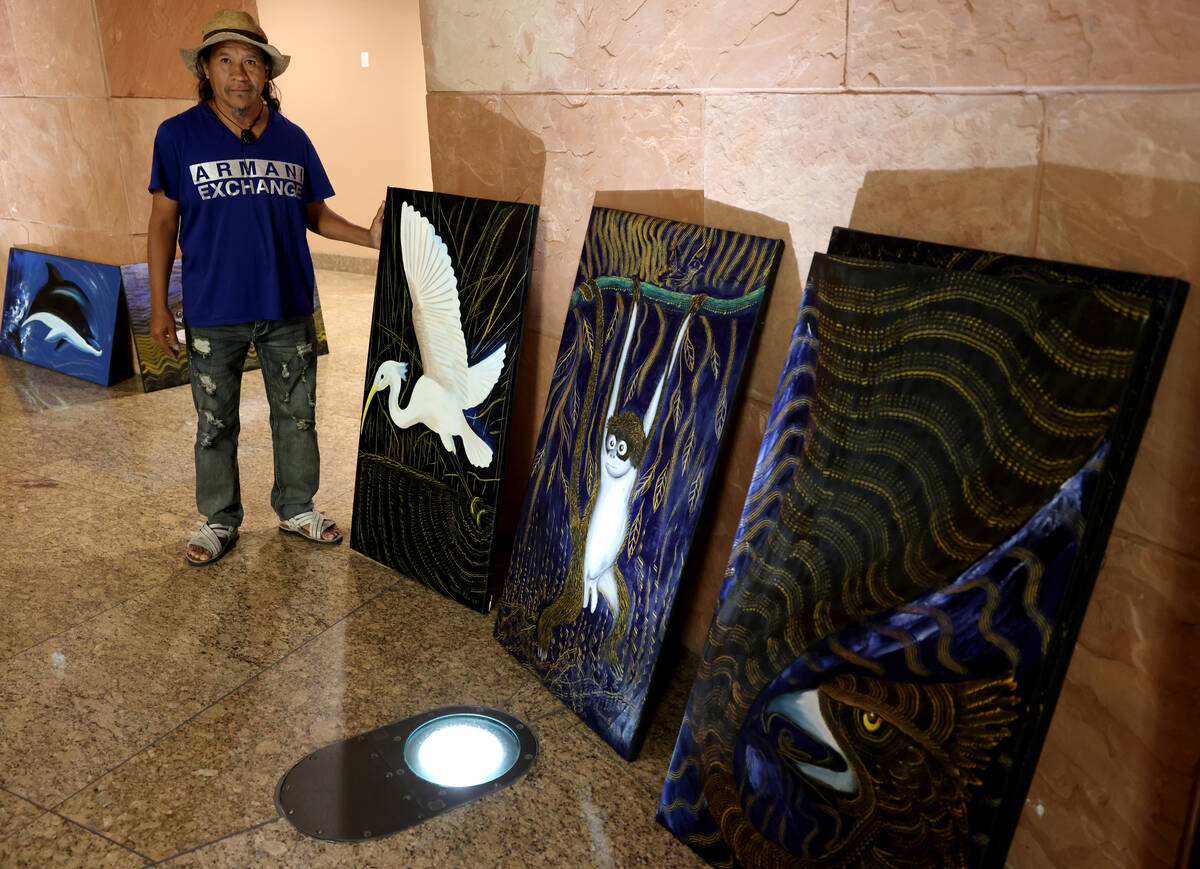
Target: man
238,184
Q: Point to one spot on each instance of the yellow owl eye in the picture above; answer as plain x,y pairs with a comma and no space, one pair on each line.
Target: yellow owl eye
871,722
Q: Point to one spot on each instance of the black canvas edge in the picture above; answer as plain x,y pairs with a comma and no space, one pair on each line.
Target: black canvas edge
123,363
846,242
498,570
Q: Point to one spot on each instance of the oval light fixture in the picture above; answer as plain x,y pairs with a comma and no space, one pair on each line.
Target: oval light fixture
403,773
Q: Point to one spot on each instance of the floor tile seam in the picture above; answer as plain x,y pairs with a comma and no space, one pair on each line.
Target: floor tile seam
33,474
511,698
345,417
219,700
337,492
16,468
551,714
43,810
239,832
34,538
125,499
166,513
86,828
81,408
48,637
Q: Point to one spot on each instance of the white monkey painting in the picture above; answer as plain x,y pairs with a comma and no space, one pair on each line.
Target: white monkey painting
592,572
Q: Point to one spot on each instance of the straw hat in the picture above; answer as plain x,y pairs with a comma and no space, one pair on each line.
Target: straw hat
239,26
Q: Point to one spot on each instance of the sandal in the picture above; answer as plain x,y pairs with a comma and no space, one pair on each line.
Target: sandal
311,525
213,538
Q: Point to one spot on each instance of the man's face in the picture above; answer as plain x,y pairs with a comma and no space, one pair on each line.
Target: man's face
238,72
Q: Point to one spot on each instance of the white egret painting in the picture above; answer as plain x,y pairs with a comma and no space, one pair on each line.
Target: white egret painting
441,370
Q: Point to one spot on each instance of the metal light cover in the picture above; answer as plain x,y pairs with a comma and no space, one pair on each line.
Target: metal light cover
391,778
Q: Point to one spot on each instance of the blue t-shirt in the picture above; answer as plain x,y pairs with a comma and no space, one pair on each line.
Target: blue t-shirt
241,216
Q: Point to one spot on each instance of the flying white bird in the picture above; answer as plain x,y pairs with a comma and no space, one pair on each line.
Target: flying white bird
447,386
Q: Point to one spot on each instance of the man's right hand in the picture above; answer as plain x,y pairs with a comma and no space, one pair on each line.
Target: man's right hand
162,330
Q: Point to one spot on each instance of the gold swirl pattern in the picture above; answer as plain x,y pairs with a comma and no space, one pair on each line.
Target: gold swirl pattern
947,408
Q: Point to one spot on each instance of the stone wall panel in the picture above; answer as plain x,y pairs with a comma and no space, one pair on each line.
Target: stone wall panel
142,41
56,49
941,43
938,168
588,144
1122,190
652,44
17,233
1112,784
61,164
137,121
10,74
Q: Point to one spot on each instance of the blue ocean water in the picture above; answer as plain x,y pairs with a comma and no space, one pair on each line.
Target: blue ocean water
25,335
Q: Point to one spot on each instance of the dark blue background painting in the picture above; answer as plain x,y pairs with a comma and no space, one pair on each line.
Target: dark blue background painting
21,339
670,263
1013,613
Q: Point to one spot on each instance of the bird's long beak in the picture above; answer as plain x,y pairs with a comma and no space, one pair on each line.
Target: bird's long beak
803,708
366,405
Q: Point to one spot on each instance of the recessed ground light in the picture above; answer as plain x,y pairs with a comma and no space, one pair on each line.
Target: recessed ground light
462,749
380,782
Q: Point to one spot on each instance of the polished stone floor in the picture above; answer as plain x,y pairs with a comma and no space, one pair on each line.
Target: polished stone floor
148,708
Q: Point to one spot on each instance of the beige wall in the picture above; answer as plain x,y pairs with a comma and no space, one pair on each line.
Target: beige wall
1067,130
369,124
83,86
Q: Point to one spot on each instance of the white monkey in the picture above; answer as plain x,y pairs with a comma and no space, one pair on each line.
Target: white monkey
621,455
598,535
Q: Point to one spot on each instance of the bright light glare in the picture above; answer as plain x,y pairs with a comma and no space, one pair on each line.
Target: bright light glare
460,752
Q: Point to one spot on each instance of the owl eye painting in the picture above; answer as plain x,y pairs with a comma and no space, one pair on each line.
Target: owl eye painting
940,469
895,760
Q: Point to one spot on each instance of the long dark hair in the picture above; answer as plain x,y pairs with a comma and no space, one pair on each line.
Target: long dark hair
270,93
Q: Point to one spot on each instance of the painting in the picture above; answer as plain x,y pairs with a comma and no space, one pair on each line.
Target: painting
941,467
441,371
644,390
64,314
157,369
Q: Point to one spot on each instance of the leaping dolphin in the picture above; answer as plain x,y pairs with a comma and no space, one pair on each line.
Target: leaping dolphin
64,309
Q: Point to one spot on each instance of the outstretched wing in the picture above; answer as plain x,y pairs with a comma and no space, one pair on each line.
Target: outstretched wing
482,376
434,290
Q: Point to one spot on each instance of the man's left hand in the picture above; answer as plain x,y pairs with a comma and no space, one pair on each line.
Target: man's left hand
377,228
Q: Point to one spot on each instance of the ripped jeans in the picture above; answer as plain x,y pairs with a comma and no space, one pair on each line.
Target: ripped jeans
287,351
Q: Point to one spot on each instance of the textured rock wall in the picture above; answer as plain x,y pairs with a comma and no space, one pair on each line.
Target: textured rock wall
1067,130
83,87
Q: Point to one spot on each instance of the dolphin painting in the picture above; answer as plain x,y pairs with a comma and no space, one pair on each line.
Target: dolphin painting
64,309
